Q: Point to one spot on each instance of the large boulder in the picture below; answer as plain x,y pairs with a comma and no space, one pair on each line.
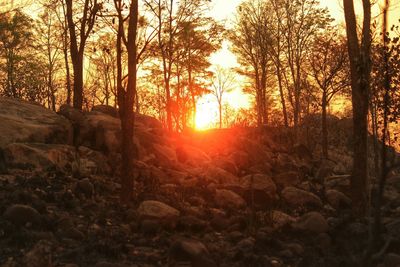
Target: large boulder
27,122
43,157
299,198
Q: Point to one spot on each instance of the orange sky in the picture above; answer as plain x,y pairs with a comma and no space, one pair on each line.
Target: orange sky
224,10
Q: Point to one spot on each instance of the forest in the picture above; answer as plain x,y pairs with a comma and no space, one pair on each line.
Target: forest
152,133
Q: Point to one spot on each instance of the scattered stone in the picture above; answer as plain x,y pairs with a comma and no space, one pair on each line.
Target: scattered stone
299,198
85,187
281,219
20,215
286,179
260,188
159,211
312,222
39,256
228,199
190,251
337,199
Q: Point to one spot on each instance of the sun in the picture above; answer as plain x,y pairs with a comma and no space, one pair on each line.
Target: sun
207,114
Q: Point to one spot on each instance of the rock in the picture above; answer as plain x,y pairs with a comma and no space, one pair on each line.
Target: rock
259,187
161,212
108,110
191,155
190,251
165,156
246,245
312,222
281,219
101,132
26,122
149,226
392,260
302,152
337,199
323,241
85,187
191,223
149,122
299,198
218,175
227,165
39,256
228,199
286,179
338,182
42,157
20,215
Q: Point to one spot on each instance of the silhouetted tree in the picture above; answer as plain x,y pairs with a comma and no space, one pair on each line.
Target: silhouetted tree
222,82
360,69
126,95
329,70
79,31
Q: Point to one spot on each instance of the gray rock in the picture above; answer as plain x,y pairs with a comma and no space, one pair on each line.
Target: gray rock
22,121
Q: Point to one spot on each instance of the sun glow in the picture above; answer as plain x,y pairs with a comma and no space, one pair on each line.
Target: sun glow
207,113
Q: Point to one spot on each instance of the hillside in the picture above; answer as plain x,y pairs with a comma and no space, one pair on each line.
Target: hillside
230,197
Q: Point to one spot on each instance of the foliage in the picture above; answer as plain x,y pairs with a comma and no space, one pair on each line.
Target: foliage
20,67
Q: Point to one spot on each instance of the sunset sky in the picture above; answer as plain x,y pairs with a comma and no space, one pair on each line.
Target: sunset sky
224,11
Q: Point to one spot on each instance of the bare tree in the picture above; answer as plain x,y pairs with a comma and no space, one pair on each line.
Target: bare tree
79,31
48,42
329,71
303,19
222,82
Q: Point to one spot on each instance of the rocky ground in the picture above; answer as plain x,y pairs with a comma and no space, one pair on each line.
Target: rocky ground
235,197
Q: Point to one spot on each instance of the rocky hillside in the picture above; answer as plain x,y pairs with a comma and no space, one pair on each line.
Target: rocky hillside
234,197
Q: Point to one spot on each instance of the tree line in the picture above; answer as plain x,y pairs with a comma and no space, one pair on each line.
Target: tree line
153,56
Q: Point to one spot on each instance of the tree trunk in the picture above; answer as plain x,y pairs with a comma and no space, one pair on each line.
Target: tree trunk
282,96
126,98
360,76
220,113
324,128
78,80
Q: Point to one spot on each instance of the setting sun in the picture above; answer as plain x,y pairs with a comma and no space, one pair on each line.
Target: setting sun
207,114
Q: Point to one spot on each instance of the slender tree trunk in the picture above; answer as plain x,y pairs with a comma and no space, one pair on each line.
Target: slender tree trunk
384,169
324,127
220,113
282,96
